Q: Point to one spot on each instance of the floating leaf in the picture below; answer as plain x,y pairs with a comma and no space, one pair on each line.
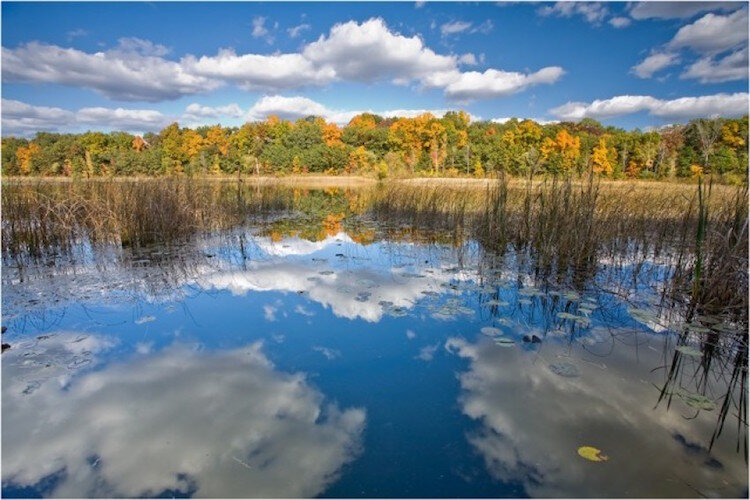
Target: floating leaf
697,401
505,322
325,273
494,302
582,320
592,454
564,369
642,315
504,342
144,319
525,302
491,331
689,351
571,296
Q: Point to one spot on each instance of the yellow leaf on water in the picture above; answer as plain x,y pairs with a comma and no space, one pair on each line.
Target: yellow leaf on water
593,454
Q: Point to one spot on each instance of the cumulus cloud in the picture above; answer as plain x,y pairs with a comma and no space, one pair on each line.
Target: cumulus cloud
133,71
677,10
654,63
713,33
495,83
592,12
160,431
733,66
674,109
370,51
619,22
254,71
19,118
366,52
196,114
294,107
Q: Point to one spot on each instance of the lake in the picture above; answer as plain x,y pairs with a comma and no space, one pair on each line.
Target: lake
323,344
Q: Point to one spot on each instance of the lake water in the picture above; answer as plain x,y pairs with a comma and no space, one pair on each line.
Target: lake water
377,362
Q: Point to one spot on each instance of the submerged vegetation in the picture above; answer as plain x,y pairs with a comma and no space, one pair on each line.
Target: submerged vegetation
371,145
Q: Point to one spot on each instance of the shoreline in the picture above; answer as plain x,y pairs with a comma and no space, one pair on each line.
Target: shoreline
353,180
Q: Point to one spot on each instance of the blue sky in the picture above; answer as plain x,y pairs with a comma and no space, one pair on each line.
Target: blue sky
139,66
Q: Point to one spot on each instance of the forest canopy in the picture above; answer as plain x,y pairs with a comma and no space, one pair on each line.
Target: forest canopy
372,145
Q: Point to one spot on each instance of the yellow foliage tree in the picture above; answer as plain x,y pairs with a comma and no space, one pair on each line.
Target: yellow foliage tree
562,152
192,142
216,136
25,155
331,134
602,158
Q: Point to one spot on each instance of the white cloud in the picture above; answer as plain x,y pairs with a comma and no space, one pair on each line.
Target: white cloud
714,33
367,52
675,109
253,71
70,35
495,83
733,66
540,121
454,27
294,107
370,52
269,312
592,12
134,71
427,353
196,114
160,431
288,108
19,118
327,352
259,27
619,22
469,59
677,10
654,63
296,31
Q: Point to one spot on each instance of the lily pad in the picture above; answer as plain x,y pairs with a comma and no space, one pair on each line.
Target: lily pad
689,351
643,316
530,292
564,369
697,401
504,342
592,454
491,331
494,302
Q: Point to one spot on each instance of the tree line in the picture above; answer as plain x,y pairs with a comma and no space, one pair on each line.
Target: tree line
372,145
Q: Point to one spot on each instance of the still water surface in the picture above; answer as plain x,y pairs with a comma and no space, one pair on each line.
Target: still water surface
259,363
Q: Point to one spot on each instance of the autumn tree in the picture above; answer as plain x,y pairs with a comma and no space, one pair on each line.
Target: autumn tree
603,158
